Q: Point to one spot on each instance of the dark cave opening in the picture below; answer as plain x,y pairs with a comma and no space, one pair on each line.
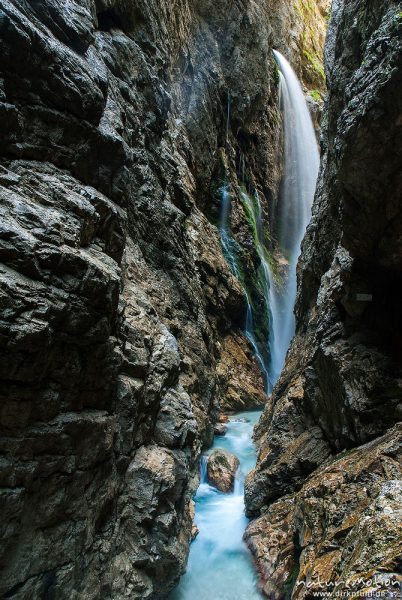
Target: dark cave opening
108,19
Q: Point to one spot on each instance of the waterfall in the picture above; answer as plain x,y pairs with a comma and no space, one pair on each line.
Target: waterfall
229,245
252,207
301,162
238,489
219,565
230,250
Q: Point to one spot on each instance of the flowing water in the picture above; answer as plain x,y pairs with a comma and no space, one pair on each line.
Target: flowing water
301,162
252,206
230,251
220,566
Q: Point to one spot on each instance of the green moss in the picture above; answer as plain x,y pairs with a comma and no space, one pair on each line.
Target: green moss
316,95
343,454
305,8
314,25
276,73
315,63
250,208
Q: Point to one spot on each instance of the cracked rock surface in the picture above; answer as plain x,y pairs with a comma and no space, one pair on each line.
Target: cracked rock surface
121,324
328,473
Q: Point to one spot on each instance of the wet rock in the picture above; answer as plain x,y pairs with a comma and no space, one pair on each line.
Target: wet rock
175,425
242,383
120,320
327,439
342,359
342,528
194,529
303,27
220,429
270,540
315,106
221,469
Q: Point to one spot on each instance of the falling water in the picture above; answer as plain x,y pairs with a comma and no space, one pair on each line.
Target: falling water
301,162
230,251
203,468
220,566
252,206
229,245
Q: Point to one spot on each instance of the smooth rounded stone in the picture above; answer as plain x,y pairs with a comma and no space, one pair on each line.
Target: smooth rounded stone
221,469
220,429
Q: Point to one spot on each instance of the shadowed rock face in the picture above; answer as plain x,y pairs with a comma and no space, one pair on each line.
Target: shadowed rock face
120,321
341,386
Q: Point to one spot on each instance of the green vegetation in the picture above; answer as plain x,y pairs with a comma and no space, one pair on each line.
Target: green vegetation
276,74
314,24
316,95
315,63
251,210
306,8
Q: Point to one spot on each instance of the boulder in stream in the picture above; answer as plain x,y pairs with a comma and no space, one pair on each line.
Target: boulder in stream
220,429
221,469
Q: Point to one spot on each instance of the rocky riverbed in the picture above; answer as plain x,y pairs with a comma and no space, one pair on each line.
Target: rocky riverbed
123,327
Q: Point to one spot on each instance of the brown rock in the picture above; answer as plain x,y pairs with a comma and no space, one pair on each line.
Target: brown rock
242,383
341,385
270,539
221,469
116,299
343,528
194,529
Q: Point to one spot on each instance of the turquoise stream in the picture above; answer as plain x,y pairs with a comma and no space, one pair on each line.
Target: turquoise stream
220,566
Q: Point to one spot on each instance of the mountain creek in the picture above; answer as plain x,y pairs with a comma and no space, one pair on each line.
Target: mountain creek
200,324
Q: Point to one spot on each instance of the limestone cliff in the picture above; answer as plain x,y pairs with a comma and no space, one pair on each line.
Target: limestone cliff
328,475
121,323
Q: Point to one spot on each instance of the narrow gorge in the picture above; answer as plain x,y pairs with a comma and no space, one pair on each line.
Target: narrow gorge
190,408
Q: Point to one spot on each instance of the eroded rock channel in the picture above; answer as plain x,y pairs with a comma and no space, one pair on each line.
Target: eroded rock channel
134,311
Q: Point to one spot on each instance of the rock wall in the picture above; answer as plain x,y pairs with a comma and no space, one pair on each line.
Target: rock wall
327,485
121,324
299,30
